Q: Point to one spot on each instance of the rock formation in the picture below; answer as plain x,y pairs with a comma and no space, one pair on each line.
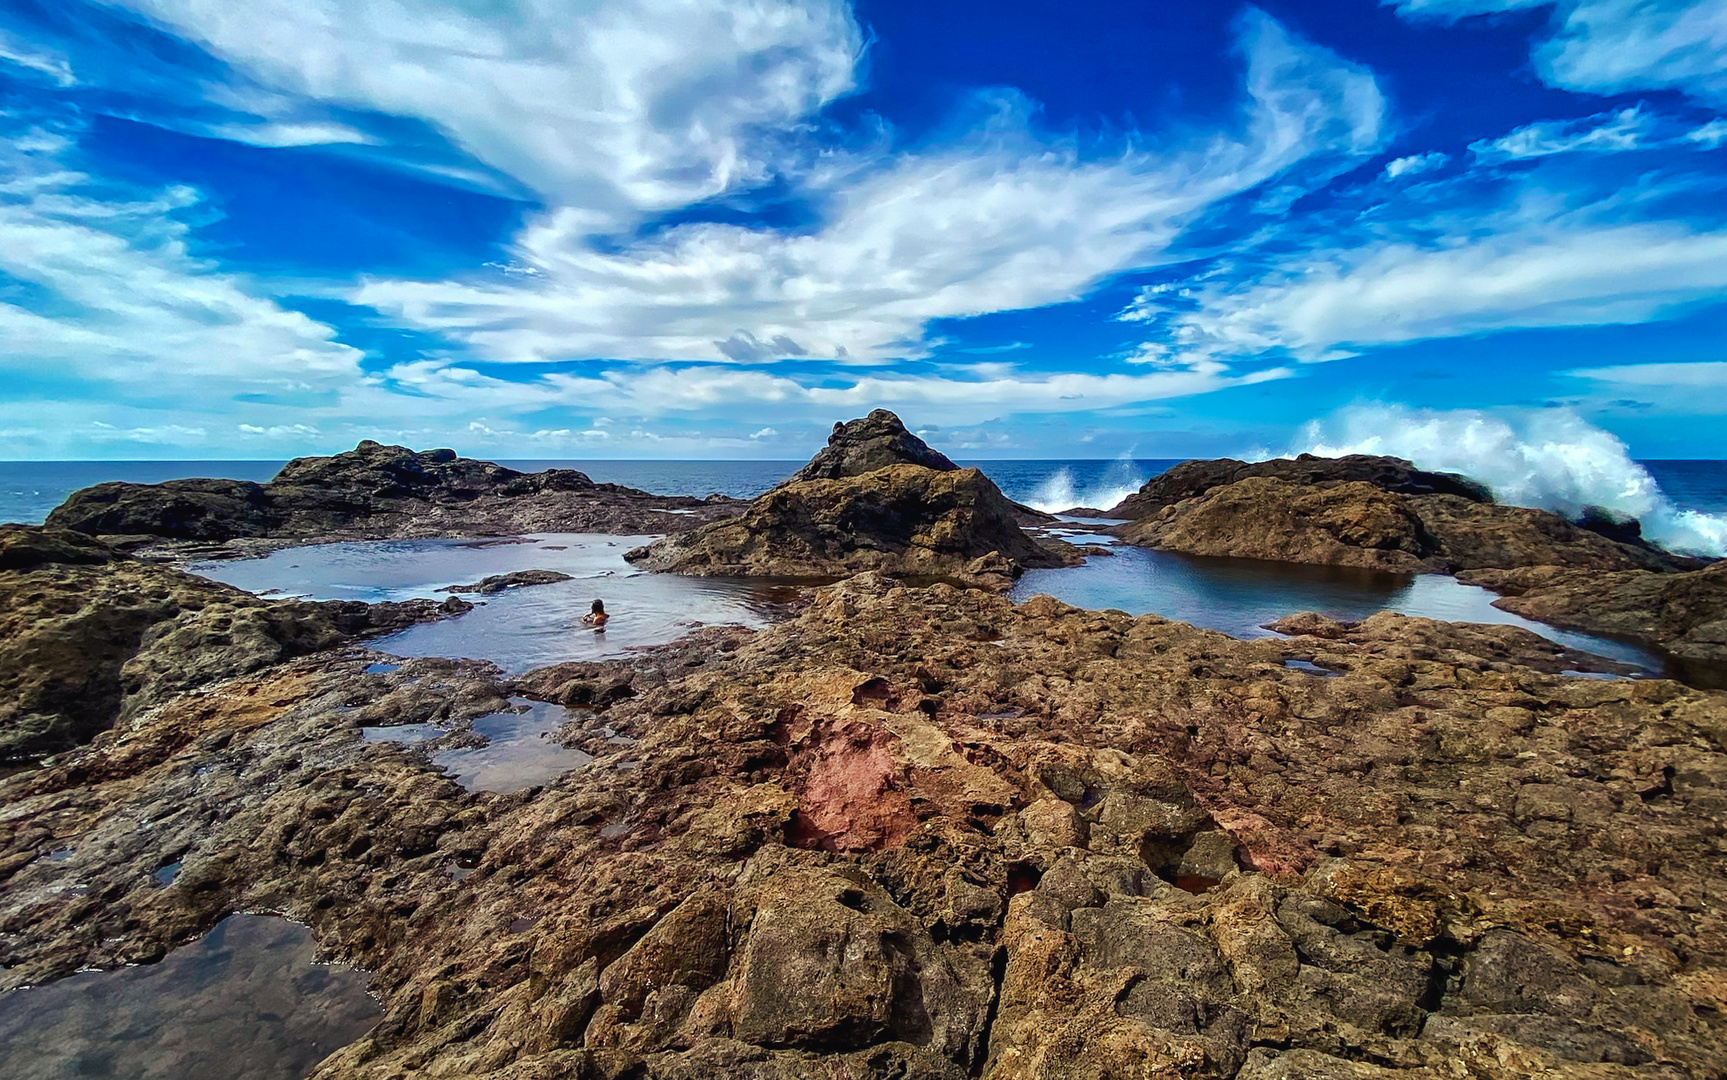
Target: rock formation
89,637
1373,512
1191,479
1684,614
863,446
515,579
902,516
380,492
924,833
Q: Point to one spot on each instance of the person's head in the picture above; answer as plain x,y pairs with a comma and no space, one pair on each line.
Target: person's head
599,607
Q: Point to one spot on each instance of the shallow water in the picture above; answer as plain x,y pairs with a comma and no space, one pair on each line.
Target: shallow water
519,751
244,1002
522,628
1238,596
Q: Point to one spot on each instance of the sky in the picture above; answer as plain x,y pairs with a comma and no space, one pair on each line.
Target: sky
710,228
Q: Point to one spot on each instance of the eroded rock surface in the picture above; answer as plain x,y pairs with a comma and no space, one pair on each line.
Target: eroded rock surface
515,579
1191,479
862,446
926,833
1685,613
1358,523
89,637
379,492
901,519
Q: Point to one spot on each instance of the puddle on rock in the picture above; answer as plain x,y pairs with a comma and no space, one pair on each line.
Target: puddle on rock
382,669
519,750
165,875
407,734
1310,667
244,1002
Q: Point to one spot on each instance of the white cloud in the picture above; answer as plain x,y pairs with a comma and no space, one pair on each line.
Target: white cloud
1541,258
616,106
1697,374
765,433
122,301
292,134
1003,220
1606,133
36,61
1710,135
1415,164
1614,46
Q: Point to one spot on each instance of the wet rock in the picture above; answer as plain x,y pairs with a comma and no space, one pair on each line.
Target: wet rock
901,519
497,583
89,637
378,491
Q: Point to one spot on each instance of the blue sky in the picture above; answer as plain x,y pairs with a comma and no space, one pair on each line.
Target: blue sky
709,228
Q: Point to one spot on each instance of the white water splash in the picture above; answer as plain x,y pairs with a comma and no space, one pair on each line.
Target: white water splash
1059,492
1551,459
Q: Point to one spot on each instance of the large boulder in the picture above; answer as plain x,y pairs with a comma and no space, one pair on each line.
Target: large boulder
862,446
902,519
1194,478
379,491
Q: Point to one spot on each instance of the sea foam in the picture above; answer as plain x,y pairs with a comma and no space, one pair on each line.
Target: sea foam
1551,459
1060,492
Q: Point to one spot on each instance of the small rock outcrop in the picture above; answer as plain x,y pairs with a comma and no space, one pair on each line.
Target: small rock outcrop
515,579
1684,614
862,446
380,492
900,519
89,637
1194,478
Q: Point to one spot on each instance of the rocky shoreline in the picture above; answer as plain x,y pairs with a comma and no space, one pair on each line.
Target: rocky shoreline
913,830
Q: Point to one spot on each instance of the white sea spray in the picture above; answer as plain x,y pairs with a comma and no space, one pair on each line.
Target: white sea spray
1551,459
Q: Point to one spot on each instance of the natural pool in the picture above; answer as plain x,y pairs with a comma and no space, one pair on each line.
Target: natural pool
521,628
247,1001
1239,596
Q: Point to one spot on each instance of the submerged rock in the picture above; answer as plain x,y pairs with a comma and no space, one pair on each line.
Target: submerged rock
497,583
928,833
376,491
901,519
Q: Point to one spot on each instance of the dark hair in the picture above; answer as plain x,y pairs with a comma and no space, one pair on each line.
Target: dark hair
599,607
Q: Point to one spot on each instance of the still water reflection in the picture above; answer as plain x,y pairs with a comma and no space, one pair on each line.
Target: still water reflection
1238,596
244,1002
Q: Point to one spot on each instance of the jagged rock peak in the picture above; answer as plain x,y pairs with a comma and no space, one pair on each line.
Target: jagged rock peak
863,446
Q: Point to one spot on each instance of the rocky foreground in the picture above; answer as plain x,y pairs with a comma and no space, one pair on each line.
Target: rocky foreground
926,833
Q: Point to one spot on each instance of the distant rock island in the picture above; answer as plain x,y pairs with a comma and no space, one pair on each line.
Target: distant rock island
376,492
913,830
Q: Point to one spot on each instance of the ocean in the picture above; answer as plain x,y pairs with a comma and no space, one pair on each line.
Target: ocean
30,489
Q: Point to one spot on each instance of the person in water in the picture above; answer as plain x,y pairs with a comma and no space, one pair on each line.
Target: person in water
596,616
